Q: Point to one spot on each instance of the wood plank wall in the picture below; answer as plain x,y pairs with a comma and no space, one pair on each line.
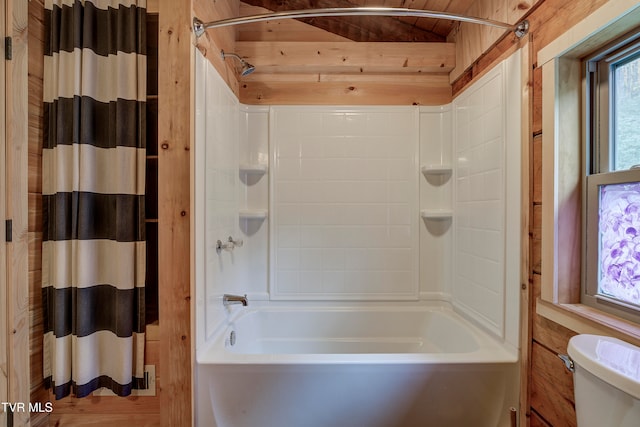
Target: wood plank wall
175,159
175,134
17,207
473,40
212,42
35,108
4,353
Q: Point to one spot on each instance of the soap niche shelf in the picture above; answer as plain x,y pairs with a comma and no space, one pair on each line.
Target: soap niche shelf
254,169
436,214
255,214
436,169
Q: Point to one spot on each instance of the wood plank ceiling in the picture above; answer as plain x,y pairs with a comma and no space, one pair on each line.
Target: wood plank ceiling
359,59
376,29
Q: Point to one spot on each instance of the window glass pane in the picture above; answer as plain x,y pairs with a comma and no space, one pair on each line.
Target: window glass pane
619,225
626,108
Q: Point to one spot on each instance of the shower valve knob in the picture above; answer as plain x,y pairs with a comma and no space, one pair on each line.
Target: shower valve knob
236,243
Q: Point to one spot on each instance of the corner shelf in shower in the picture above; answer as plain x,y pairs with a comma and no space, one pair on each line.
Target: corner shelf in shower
436,213
253,213
253,169
436,169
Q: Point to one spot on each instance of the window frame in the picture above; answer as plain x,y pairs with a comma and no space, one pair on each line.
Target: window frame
598,163
561,162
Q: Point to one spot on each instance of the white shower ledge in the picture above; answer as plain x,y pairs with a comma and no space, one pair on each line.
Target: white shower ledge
252,213
436,169
436,213
254,169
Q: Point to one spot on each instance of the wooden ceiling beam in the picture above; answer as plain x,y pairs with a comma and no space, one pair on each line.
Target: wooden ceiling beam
356,28
348,57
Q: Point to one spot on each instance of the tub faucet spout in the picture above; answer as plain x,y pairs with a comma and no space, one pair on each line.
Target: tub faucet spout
228,299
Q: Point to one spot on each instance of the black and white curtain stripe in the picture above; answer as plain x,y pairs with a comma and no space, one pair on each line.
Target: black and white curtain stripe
93,161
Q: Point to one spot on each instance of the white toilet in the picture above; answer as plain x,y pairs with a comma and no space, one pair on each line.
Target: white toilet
606,380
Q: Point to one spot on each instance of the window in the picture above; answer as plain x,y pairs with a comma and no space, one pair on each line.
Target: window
611,279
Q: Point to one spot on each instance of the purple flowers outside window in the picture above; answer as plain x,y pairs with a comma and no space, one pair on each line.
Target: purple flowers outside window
619,227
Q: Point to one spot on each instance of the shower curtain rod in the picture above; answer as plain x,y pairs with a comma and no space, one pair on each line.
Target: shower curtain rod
199,27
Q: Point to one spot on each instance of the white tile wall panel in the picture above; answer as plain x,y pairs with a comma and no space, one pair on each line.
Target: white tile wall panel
253,190
344,203
216,194
485,258
478,283
436,149
344,191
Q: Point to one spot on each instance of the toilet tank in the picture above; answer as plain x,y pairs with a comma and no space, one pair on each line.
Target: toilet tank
606,381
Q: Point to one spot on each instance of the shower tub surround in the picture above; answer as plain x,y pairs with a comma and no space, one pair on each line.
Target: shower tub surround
380,260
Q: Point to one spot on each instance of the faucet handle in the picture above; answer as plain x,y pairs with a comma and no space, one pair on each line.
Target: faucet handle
227,246
236,243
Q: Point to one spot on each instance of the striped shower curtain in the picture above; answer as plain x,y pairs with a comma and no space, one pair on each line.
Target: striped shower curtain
93,161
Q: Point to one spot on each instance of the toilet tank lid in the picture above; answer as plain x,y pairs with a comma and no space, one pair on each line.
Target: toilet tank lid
610,359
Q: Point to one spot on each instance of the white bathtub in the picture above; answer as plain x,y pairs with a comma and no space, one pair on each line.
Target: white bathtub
356,366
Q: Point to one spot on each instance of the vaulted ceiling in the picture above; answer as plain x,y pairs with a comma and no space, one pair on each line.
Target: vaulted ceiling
376,29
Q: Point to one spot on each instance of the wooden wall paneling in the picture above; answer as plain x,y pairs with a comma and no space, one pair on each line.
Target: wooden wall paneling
503,49
4,365
536,241
17,208
550,334
516,9
535,230
328,73
35,250
536,199
212,41
208,11
554,17
472,39
152,6
35,299
348,57
175,133
35,338
537,170
35,124
536,190
349,89
526,215
35,210
537,421
552,388
537,101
